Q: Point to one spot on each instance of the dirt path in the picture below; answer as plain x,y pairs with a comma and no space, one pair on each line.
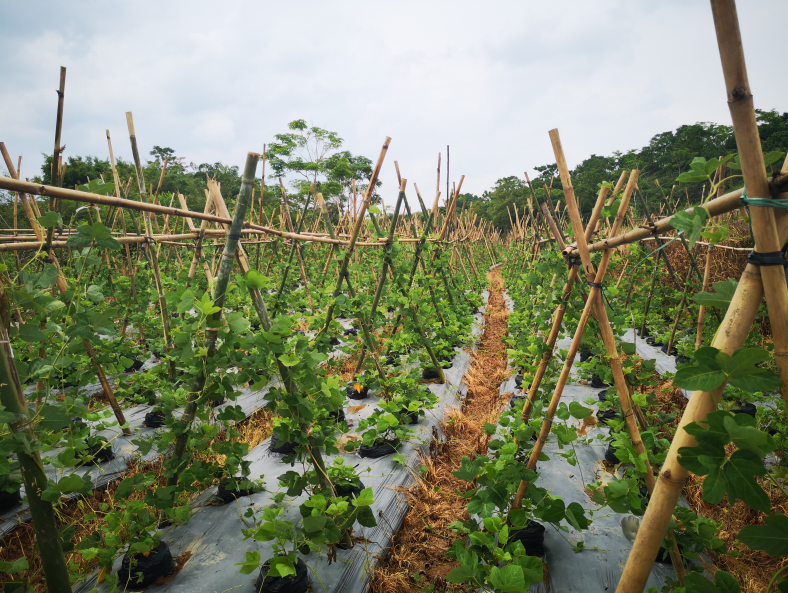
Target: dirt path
417,557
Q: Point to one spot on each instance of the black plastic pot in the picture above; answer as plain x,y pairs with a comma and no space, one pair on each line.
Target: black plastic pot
663,556
585,356
650,340
518,381
100,455
610,455
411,417
602,395
297,583
226,495
354,393
159,563
532,538
515,400
352,331
134,367
9,500
390,361
606,415
429,373
645,333
379,450
597,382
673,351
389,309
337,416
681,359
334,341
348,489
281,448
77,423
217,402
745,408
154,419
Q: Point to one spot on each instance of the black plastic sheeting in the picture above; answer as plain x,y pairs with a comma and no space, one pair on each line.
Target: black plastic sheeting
598,568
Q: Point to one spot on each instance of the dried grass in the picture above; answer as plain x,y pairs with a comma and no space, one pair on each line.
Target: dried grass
753,569
87,514
417,557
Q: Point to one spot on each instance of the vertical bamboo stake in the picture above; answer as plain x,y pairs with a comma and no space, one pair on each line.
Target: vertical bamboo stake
35,480
702,312
744,305
153,254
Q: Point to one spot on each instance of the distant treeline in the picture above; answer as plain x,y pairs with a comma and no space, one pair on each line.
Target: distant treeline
664,158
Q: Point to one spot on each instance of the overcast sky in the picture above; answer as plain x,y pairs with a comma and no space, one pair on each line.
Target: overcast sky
215,80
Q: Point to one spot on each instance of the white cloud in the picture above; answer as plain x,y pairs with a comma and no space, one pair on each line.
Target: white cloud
214,81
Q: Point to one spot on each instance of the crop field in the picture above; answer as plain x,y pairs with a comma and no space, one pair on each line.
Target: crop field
210,382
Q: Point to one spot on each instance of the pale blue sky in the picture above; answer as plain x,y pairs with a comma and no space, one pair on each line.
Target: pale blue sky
215,80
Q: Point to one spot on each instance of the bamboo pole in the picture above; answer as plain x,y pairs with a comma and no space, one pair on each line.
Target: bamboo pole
702,312
770,233
43,513
153,254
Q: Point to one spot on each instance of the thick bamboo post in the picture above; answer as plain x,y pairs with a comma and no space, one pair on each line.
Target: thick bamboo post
196,395
35,480
770,233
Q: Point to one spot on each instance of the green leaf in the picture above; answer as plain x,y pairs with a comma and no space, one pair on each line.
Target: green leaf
717,236
695,582
55,418
289,360
48,277
50,219
237,322
30,333
87,234
721,297
94,294
251,563
460,574
691,224
772,157
255,279
575,514
467,471
771,538
15,567
96,186
73,483
579,411
400,458
364,499
312,524
736,479
698,378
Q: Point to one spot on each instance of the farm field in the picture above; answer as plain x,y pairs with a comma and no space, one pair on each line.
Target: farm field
216,378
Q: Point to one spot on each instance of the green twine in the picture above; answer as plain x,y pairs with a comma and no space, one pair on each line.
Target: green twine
780,203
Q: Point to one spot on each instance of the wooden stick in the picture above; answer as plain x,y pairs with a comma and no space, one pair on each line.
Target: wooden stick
770,233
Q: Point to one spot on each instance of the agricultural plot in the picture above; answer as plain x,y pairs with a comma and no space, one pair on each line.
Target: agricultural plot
400,399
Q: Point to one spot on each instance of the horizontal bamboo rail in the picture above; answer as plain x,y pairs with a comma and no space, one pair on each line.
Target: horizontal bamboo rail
727,203
38,189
